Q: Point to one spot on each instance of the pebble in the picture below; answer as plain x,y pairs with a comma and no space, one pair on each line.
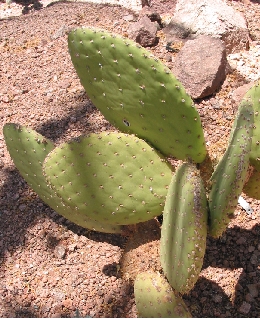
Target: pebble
244,308
241,241
60,251
253,290
217,298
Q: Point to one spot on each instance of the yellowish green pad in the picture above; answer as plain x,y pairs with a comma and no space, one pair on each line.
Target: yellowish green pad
137,93
28,150
110,177
155,298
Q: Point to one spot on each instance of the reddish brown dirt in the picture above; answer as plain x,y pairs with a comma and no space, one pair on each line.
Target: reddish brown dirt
50,267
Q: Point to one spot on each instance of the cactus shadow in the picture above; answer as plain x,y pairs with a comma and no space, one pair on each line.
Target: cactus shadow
21,209
29,5
22,310
76,118
207,300
233,261
118,305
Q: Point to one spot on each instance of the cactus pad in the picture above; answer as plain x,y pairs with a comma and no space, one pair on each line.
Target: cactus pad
184,229
155,298
110,177
137,93
28,150
254,95
230,174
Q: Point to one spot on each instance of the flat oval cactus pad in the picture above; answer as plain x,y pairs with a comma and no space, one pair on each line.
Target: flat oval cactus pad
110,177
137,93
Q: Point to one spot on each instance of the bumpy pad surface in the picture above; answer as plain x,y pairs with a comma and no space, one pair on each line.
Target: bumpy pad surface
230,174
28,150
155,298
137,93
254,95
110,177
184,229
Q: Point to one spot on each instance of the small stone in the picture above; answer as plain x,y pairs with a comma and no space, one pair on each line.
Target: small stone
129,18
56,315
253,290
60,251
249,298
67,303
251,249
244,308
217,298
241,241
254,259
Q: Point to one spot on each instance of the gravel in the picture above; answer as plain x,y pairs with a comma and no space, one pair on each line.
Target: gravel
50,267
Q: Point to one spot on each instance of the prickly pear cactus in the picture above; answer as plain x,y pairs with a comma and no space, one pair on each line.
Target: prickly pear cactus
155,298
254,95
28,150
110,177
137,93
230,174
184,229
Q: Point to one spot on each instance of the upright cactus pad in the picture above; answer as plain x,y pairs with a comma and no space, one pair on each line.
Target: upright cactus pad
110,177
230,174
155,298
254,95
137,93
28,150
184,229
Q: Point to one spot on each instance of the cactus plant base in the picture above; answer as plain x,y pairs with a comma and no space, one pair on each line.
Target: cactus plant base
141,251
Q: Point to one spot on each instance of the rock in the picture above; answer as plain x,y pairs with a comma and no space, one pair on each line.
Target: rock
241,241
134,5
249,298
253,290
255,258
129,18
211,17
152,15
201,66
244,308
60,251
56,315
143,31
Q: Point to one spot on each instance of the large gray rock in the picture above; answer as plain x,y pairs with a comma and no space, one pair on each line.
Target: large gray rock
211,17
201,66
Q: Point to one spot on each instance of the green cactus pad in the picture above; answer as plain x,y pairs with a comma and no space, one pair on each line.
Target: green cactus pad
137,93
184,229
155,298
229,176
111,177
254,95
28,150
252,186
